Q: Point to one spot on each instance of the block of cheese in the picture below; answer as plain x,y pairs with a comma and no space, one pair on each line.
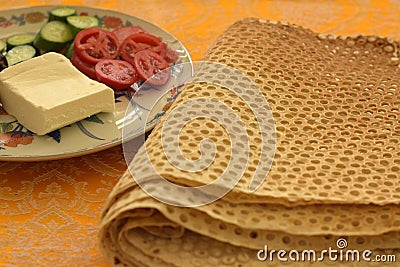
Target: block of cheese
47,92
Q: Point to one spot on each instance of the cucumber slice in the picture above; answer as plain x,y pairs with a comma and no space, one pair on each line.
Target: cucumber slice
20,53
20,39
79,23
53,36
61,13
70,51
3,46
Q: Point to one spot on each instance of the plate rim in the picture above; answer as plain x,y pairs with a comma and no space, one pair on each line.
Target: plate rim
97,148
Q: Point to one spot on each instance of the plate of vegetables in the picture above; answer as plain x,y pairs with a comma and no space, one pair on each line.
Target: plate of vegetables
113,48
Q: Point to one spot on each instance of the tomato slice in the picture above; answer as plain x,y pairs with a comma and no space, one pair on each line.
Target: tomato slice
94,44
117,74
125,31
148,63
84,67
171,56
141,41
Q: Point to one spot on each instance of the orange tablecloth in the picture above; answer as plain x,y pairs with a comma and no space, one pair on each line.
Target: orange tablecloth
50,210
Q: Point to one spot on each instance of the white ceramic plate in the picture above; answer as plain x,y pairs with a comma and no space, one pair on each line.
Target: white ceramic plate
96,133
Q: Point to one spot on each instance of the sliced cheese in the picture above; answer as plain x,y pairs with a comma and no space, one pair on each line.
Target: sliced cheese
47,92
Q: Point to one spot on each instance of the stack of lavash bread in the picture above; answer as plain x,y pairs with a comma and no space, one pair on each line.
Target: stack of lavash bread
335,172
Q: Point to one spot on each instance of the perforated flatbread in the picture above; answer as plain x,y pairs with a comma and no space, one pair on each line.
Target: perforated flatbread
335,173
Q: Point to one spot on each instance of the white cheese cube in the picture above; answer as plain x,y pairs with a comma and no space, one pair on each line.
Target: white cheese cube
47,92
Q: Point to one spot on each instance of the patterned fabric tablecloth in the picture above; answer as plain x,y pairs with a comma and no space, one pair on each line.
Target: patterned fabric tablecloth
50,210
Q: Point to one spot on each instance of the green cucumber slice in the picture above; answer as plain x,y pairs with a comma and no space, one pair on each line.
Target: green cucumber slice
61,13
20,53
3,46
53,36
20,39
69,51
79,23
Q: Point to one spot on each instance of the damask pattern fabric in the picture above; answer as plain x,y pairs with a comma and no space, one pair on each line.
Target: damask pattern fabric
50,211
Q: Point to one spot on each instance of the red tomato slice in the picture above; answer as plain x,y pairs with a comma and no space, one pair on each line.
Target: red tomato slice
117,74
141,41
94,44
125,31
171,56
84,67
148,63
